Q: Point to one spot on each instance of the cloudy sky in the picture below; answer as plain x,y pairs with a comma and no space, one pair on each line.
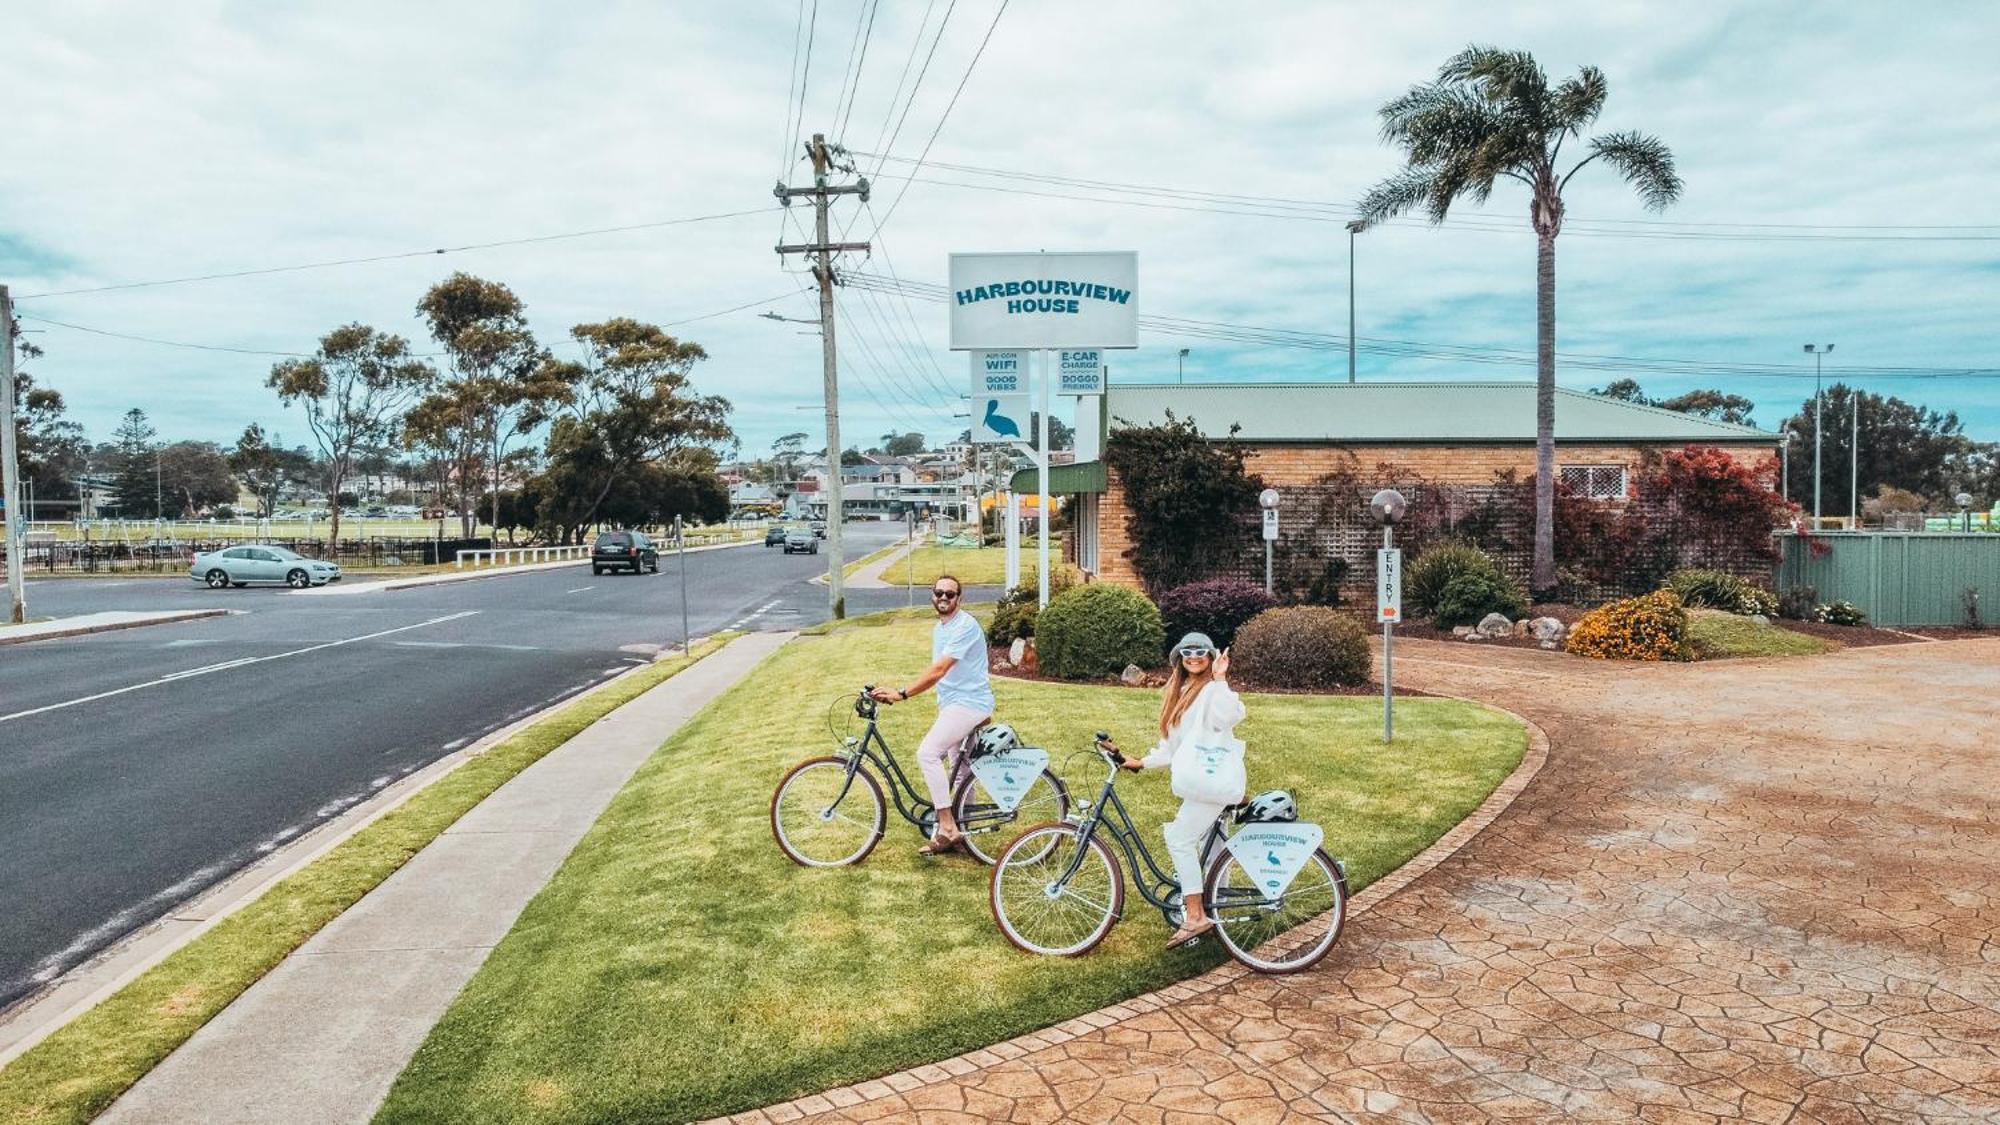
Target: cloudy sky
1839,160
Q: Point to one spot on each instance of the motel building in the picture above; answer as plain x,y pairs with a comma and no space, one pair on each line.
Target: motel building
1460,437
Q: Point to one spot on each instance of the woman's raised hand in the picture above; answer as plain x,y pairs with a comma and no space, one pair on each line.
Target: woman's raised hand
1222,665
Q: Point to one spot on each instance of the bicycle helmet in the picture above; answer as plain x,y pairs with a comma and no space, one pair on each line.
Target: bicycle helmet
995,739
1273,806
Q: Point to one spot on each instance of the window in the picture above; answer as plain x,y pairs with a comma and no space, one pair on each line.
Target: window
1595,482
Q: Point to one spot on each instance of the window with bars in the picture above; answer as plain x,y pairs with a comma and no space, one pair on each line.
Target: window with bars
1596,482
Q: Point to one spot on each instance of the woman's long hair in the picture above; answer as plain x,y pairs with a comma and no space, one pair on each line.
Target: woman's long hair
1182,687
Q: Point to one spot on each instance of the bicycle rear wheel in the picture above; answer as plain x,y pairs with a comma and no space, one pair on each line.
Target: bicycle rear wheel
1285,933
986,827
821,820
1040,910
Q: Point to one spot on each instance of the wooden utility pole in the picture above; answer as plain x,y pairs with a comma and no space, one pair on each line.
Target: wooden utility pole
822,196
10,467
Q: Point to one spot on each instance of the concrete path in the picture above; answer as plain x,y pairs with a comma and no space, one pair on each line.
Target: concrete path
87,623
1764,890
324,1035
872,576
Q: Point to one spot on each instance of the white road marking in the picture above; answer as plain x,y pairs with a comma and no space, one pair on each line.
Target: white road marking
228,664
579,589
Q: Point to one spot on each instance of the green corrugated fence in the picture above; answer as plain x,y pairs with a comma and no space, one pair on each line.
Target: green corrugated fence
1898,578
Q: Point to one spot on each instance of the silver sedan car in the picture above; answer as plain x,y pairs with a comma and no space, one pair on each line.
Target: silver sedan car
240,566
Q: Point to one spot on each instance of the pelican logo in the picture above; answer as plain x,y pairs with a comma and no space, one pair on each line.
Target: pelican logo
1274,854
1009,774
1000,423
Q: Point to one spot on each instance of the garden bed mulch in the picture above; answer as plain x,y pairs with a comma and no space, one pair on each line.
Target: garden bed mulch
1156,678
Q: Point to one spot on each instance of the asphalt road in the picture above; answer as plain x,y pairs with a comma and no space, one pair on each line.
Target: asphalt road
138,768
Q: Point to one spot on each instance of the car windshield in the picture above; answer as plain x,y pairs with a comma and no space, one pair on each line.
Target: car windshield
614,539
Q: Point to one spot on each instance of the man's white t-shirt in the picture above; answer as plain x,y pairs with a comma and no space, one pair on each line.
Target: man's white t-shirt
966,684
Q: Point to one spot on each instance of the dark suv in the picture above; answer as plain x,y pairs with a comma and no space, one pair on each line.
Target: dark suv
616,550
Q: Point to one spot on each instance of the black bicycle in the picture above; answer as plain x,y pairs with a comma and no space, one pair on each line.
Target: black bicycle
829,811
1058,889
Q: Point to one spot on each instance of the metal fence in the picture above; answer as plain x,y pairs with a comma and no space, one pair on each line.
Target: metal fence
1898,578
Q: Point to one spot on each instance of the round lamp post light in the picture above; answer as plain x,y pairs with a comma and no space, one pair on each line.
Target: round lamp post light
1268,500
1388,507
1964,502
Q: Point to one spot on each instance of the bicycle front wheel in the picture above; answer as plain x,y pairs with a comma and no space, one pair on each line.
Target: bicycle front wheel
987,828
1045,907
822,819
1283,933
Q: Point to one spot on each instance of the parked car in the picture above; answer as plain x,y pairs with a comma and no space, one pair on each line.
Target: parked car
801,539
617,550
774,535
240,566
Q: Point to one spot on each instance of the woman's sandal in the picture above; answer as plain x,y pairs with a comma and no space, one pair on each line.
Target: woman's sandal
940,845
1186,935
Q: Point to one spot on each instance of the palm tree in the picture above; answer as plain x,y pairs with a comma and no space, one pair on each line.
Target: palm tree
1492,113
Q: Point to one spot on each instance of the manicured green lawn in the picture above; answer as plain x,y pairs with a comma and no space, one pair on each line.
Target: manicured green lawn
80,1069
678,966
975,566
1717,635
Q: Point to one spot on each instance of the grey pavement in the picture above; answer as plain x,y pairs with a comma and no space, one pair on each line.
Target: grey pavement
140,768
323,1036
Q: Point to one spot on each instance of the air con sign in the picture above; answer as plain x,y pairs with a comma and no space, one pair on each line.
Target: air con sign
1045,300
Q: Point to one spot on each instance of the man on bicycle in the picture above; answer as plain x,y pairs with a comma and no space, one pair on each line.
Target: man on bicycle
965,701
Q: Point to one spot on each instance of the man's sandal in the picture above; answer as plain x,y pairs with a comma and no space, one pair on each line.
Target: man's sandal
1187,935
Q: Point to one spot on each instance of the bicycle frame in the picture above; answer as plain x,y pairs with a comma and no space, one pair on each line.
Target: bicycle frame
916,809
1164,891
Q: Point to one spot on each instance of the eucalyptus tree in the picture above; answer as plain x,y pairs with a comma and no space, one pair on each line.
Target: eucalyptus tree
1491,114
354,389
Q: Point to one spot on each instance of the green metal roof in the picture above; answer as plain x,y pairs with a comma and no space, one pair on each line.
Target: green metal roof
1064,480
1361,413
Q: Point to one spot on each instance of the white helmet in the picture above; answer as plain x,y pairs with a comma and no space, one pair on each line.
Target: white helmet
1273,806
995,739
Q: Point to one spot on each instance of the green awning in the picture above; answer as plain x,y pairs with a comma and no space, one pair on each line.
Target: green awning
1064,480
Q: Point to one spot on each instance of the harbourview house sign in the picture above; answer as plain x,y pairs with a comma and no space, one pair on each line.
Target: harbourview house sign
1070,300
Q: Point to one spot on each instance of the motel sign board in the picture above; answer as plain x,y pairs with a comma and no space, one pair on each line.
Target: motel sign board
1080,300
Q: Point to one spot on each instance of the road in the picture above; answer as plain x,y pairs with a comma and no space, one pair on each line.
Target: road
139,768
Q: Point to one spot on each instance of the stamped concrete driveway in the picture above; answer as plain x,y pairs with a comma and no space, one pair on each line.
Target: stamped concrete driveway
1752,889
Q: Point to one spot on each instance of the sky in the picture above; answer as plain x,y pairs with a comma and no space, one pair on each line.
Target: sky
1839,163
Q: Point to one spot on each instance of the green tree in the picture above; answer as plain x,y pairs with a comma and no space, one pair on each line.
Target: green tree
1189,499
1492,114
786,452
1715,404
354,390
903,445
259,466
1903,445
194,477
136,490
851,456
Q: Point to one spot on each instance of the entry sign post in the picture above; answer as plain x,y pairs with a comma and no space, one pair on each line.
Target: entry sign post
1388,610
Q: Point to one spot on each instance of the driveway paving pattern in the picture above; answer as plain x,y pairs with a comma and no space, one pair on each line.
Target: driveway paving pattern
1763,890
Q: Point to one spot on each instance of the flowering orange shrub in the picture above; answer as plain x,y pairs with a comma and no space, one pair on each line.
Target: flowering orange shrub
1650,627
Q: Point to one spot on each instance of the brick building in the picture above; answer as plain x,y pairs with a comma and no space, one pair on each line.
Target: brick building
1457,439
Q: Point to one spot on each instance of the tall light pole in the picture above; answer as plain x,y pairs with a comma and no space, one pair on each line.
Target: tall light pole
1353,228
1785,462
10,469
1180,371
1854,458
1819,353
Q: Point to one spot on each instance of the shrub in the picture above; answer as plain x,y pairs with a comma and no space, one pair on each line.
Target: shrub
1842,613
1757,601
1188,497
1301,646
1425,578
1469,597
1014,615
1800,603
1216,606
1719,589
1324,589
1649,627
1097,629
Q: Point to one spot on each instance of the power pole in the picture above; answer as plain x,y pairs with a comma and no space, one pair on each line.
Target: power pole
821,193
10,466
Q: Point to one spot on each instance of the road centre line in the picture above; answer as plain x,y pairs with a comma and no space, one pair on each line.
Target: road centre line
228,664
579,589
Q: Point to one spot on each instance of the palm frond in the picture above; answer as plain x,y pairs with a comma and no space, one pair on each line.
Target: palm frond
1499,75
1645,162
1396,195
1578,100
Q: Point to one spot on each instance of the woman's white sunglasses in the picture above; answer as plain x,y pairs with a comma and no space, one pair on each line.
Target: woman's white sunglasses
1191,653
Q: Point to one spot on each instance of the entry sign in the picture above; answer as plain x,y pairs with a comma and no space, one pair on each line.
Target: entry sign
1389,584
1274,854
999,373
1080,372
1270,525
1001,418
1008,774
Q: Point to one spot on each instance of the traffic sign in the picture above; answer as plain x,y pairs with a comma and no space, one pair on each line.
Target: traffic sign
1389,584
1270,525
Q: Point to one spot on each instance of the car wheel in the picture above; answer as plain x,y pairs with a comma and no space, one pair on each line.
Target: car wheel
298,580
597,572
217,579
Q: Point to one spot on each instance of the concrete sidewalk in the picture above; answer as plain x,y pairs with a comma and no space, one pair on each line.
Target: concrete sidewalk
324,1035
105,622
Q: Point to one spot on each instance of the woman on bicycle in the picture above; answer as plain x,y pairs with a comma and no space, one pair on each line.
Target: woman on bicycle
1197,708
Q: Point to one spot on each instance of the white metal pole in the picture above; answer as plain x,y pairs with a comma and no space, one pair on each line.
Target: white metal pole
1388,656
681,541
1819,402
1042,498
1012,534
1854,459
10,468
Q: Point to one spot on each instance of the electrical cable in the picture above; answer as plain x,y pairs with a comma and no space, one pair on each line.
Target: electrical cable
854,89
946,115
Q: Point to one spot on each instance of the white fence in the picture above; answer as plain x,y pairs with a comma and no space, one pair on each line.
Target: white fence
508,556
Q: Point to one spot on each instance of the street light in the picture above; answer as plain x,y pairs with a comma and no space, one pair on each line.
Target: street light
1819,354
1353,228
1964,501
1181,372
1268,500
1388,507
1785,461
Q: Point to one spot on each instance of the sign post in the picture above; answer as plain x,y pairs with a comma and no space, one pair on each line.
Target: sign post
1388,506
1268,500
12,521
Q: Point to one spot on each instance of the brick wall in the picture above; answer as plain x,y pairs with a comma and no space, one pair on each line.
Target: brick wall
1455,490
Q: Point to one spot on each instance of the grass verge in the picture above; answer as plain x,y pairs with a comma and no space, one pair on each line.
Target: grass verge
79,1070
975,566
1718,636
678,967
873,556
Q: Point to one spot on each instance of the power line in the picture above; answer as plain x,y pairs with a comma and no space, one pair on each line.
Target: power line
946,115
911,100
401,255
791,94
909,60
860,65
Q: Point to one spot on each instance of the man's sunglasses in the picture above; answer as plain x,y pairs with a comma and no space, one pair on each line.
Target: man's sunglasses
1191,653
944,595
